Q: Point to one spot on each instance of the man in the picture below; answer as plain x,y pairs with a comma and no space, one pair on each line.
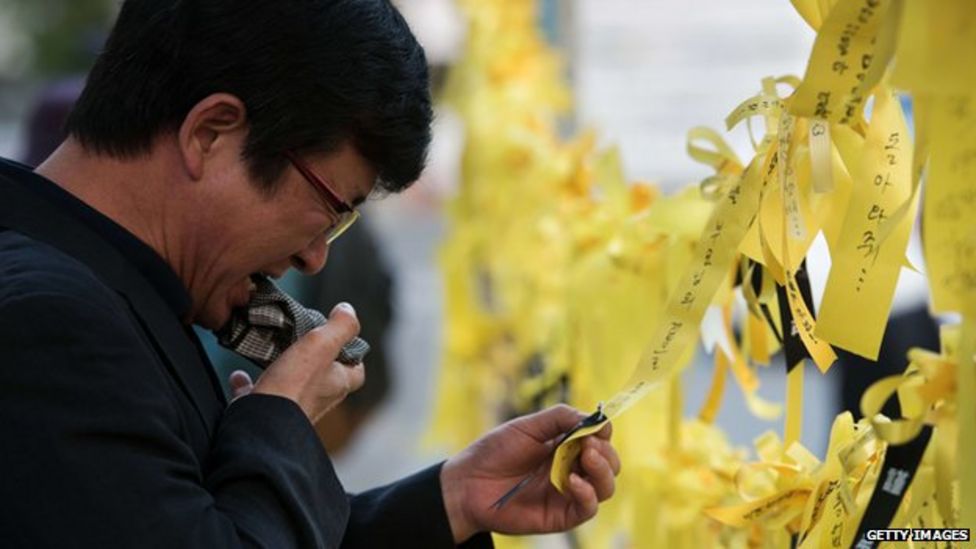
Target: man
216,140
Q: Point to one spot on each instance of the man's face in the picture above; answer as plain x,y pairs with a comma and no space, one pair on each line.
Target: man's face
245,232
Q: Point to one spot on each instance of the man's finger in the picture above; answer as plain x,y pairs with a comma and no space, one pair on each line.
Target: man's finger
606,432
240,384
343,380
343,325
584,497
355,375
599,473
605,449
550,423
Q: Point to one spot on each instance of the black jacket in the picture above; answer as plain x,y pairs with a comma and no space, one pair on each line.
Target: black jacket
115,432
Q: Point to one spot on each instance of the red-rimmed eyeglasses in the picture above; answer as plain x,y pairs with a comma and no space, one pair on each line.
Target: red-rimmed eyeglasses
345,213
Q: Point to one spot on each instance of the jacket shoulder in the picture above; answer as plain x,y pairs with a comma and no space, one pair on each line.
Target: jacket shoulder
30,268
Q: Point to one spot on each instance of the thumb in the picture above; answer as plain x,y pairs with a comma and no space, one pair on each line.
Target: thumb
550,423
343,325
240,384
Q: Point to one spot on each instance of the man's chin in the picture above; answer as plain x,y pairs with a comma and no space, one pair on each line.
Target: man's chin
214,320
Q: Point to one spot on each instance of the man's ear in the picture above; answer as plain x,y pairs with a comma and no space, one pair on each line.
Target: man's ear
206,126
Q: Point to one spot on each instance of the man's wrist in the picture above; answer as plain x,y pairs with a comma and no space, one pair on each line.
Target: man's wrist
453,492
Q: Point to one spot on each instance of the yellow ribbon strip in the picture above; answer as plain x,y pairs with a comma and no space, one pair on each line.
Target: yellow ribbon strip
865,270
852,49
714,257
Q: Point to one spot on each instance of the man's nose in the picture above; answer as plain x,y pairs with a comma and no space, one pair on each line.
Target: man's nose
312,259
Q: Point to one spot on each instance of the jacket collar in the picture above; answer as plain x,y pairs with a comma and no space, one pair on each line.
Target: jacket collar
145,260
30,213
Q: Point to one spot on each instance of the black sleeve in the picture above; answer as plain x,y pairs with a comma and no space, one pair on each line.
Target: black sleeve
92,454
407,514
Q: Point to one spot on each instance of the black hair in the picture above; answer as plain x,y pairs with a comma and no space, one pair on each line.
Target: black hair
313,74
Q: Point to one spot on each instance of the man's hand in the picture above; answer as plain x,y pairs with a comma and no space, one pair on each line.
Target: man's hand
307,372
474,479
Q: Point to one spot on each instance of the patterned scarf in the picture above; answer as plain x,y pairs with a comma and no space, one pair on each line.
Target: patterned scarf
272,322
